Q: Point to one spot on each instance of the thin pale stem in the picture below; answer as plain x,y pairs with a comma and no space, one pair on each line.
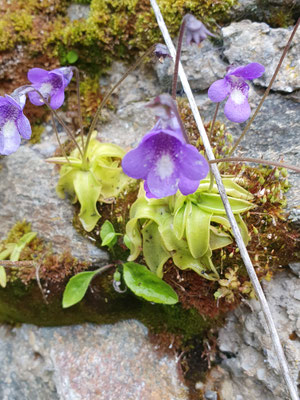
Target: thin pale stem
58,118
211,175
243,251
267,90
15,264
178,53
109,93
213,122
78,105
256,161
58,140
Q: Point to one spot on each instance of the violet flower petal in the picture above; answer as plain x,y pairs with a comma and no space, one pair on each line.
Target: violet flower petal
10,139
249,71
190,160
163,180
66,73
35,98
137,162
24,127
37,75
187,186
219,90
237,108
57,99
147,191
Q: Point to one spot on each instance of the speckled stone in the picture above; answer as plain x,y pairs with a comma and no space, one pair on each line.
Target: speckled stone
86,362
28,192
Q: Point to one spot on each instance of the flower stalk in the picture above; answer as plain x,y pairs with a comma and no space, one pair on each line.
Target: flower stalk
234,226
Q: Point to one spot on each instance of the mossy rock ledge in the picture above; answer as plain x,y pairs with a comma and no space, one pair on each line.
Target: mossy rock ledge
24,303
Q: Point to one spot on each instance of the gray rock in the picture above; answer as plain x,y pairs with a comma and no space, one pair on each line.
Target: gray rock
247,42
253,367
78,11
202,65
131,120
28,192
86,362
265,10
295,267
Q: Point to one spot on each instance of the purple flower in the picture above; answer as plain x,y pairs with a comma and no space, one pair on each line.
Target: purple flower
161,51
51,84
196,32
237,108
166,163
13,123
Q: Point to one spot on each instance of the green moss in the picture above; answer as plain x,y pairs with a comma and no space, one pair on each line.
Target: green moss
37,131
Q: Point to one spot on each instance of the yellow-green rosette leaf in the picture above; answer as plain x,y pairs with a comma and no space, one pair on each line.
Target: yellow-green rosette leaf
243,229
23,242
134,238
65,184
154,251
2,276
147,285
197,231
232,189
87,189
179,222
218,239
212,203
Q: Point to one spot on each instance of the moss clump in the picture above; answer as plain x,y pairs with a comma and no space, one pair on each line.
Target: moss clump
37,131
114,30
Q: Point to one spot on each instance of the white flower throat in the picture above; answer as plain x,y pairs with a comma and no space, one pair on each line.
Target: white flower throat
164,166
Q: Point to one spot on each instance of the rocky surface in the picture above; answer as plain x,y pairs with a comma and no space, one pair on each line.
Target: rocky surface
28,192
250,368
276,12
85,362
78,11
246,42
202,64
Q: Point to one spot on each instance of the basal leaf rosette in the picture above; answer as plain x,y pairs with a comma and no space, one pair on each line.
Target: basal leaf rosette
99,178
186,228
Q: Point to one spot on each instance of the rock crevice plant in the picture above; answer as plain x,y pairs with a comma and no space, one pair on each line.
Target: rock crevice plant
179,214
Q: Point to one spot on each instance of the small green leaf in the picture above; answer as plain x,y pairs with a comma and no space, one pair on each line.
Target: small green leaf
109,240
77,287
117,276
72,57
2,276
147,285
108,234
24,241
6,253
106,228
